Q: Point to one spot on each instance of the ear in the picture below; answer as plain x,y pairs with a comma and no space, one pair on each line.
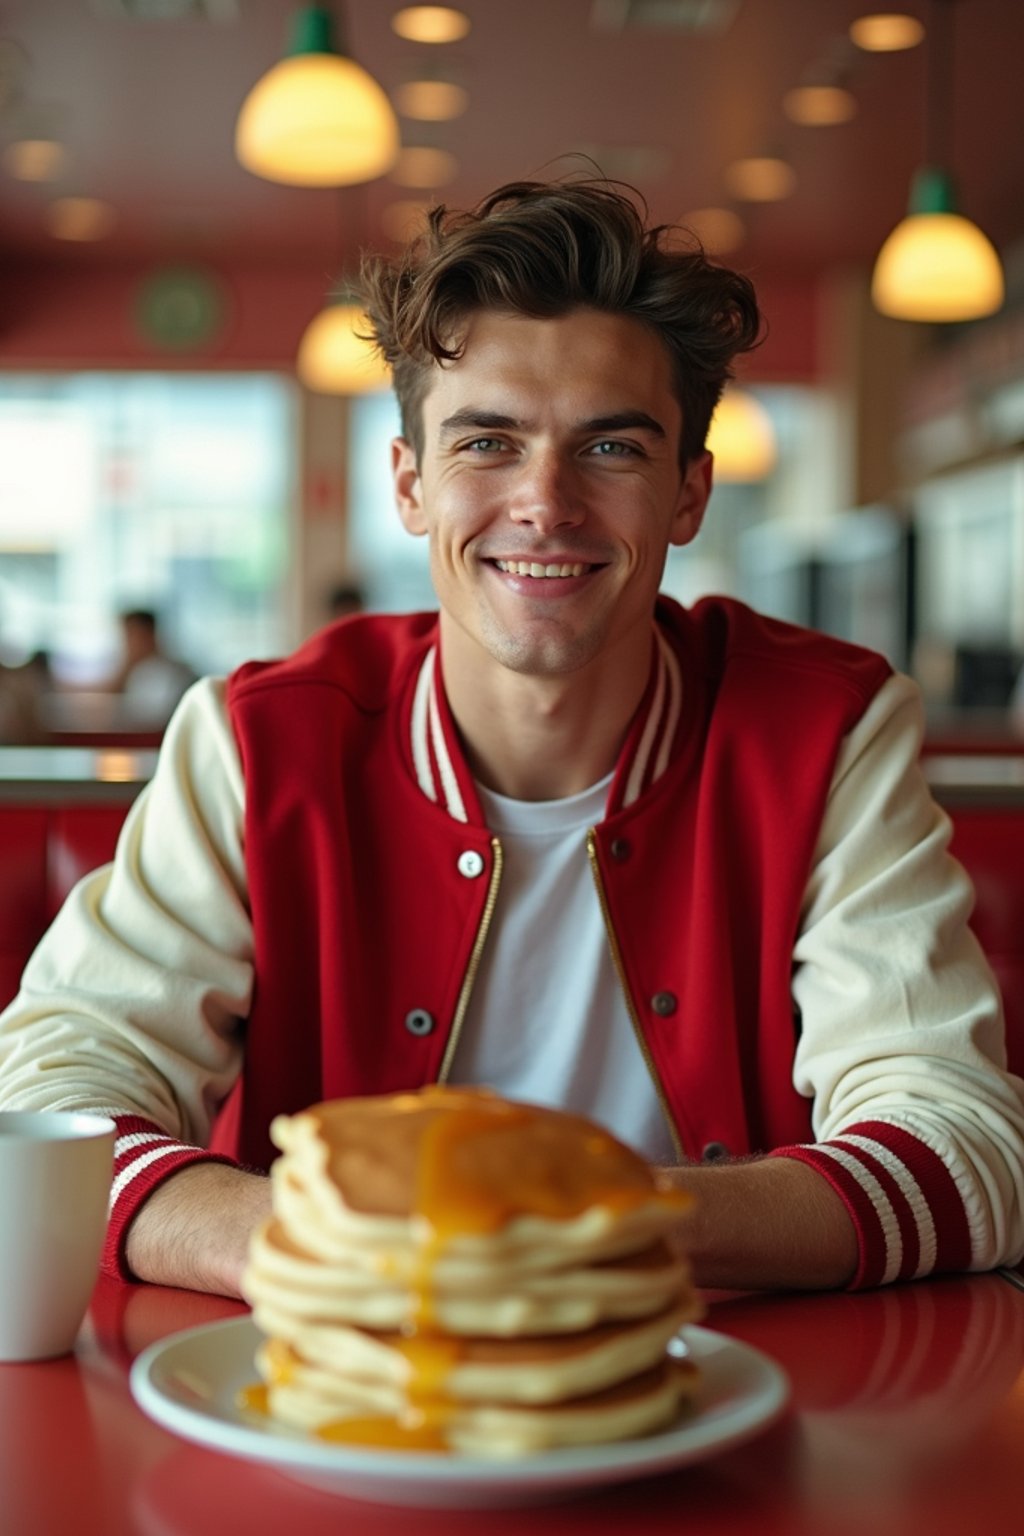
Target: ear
692,500
405,476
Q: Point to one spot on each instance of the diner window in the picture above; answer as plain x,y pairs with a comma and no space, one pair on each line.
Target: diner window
172,492
391,564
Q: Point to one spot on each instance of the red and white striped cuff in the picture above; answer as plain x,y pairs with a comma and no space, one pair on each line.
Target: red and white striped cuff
903,1201
144,1156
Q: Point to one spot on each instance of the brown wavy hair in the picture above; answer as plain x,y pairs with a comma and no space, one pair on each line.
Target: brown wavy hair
542,249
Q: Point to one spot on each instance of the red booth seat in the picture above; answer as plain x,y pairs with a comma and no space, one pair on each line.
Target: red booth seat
989,842
44,849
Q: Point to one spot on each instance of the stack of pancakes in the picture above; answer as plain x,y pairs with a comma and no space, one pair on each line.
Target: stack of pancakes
450,1270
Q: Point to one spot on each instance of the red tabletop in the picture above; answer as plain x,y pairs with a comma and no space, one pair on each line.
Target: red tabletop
907,1419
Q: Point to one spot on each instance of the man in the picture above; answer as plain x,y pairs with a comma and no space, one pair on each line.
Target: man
678,870
151,681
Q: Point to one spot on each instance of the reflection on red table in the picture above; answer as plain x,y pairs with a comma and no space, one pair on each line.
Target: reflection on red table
907,1418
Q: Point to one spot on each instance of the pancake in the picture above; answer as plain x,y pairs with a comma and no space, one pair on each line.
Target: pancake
453,1270
495,1299
349,1413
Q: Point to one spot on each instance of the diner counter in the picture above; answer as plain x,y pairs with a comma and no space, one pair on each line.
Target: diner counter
78,775
963,779
906,1419
92,774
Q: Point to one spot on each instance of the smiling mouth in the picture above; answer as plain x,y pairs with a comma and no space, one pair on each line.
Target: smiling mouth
545,572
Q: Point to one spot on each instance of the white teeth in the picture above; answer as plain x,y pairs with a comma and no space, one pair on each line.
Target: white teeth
532,568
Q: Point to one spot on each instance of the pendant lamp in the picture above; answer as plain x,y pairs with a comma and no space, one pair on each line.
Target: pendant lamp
316,119
333,359
741,439
936,265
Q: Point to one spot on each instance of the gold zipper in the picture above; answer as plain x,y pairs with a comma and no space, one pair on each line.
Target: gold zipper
474,961
613,945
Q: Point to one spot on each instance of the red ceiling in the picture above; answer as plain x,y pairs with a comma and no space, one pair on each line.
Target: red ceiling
147,109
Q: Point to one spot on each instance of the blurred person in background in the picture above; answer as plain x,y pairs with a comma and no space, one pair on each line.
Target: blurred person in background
24,686
345,598
150,681
23,691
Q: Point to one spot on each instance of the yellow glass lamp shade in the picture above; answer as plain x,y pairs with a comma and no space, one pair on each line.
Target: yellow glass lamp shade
936,265
431,24
334,360
35,159
761,179
886,32
741,439
316,119
819,106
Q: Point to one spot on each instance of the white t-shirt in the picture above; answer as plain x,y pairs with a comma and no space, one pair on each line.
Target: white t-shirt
548,1020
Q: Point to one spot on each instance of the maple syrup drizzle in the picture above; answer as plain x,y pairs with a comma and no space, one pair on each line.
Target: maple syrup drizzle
254,1398
409,1433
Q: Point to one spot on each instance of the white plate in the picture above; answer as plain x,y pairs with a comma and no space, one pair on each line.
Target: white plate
188,1383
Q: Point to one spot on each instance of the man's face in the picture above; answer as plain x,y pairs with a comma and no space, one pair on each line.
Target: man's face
550,489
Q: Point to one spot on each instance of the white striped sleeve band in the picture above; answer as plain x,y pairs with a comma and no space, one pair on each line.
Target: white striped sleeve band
901,1197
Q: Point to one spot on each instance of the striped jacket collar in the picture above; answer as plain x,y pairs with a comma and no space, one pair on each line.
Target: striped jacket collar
444,777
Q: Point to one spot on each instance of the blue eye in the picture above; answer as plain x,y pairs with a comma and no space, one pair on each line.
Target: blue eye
486,444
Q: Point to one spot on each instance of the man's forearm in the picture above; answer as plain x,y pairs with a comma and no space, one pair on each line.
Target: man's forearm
194,1230
771,1223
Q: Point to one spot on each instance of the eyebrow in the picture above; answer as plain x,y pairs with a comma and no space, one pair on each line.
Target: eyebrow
459,420
619,421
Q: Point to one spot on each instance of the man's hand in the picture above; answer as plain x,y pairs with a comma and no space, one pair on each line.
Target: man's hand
767,1224
194,1229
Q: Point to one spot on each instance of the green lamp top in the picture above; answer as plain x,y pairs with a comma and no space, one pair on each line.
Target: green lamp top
931,191
312,31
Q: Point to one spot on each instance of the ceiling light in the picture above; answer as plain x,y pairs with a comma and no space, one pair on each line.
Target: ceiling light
430,24
819,106
316,119
333,359
422,167
761,179
79,218
741,438
886,32
936,265
35,159
431,101
719,230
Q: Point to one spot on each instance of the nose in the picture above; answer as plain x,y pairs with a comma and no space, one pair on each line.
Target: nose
547,494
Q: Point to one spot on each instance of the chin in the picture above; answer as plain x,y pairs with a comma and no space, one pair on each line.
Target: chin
543,656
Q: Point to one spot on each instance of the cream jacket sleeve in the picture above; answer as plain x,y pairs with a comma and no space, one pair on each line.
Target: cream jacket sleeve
902,1041
132,1000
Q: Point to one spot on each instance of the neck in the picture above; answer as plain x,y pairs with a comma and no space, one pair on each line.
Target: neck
543,738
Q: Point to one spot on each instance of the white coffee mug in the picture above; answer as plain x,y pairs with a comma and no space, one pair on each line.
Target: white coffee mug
55,1176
